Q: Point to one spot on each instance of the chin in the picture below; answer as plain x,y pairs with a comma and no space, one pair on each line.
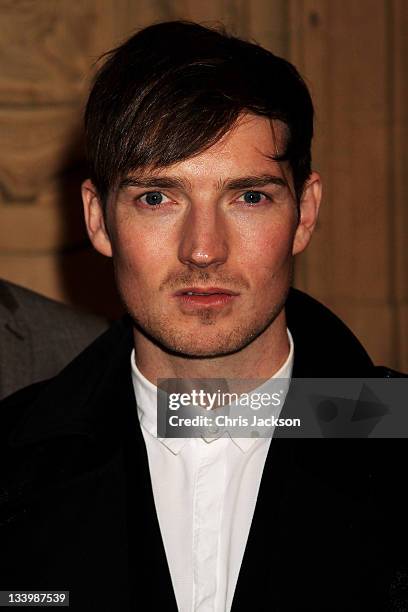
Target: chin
203,350
204,343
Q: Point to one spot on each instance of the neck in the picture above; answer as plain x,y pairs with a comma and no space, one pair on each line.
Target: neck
260,359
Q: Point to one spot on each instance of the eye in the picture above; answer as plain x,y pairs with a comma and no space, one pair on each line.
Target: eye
253,197
154,198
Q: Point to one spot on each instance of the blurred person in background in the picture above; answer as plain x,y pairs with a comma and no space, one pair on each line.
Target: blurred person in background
38,336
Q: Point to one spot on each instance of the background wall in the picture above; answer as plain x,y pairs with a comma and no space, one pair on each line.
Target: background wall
354,56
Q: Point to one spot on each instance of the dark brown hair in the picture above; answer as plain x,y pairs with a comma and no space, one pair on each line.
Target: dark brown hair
174,88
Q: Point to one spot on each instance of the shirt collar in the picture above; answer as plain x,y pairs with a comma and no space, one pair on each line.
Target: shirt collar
146,399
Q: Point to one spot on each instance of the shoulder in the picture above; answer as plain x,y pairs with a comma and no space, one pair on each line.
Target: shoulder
32,306
77,399
90,367
324,345
39,336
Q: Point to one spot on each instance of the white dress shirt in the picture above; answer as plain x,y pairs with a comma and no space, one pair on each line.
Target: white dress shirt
205,491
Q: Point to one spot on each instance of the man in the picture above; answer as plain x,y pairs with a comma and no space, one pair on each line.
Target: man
201,190
38,336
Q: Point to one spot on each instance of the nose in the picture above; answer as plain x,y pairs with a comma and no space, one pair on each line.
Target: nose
203,241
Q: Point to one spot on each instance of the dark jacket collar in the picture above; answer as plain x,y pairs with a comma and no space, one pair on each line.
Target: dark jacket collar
324,346
84,397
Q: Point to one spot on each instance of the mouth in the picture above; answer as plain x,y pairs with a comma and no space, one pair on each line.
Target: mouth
205,291
194,297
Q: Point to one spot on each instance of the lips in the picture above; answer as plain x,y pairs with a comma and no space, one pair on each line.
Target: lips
194,298
205,291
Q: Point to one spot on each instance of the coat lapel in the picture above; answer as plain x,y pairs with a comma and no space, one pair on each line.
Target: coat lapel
147,558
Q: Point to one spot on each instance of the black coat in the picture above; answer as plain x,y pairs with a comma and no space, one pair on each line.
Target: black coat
77,510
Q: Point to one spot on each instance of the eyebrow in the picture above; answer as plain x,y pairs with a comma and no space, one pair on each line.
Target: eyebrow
246,182
164,182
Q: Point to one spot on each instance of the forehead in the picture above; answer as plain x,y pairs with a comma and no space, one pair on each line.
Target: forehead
248,148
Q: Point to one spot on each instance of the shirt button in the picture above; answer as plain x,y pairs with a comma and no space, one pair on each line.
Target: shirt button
213,429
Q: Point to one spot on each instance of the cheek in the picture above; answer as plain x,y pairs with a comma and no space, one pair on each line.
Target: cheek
138,259
267,249
135,241
141,244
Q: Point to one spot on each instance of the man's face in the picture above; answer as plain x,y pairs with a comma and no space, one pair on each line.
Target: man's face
203,249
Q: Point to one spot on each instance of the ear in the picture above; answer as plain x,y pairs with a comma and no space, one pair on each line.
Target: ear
94,219
309,210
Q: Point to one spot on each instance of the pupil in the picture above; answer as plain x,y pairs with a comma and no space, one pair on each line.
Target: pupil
252,197
154,198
